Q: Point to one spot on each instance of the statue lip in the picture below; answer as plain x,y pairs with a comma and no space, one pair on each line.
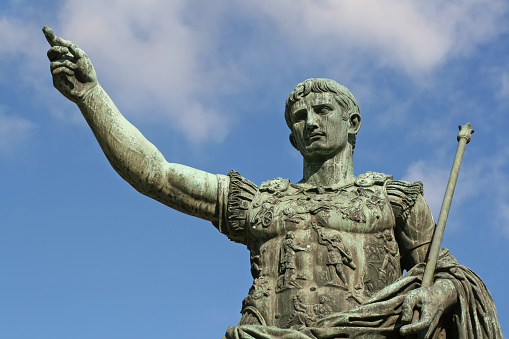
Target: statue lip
315,135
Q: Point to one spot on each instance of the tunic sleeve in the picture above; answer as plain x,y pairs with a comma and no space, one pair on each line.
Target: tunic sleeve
235,195
414,221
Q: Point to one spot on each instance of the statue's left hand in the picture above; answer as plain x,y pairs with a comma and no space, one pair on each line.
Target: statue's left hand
433,302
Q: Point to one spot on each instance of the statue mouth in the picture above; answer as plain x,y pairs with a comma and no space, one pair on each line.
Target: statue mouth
315,136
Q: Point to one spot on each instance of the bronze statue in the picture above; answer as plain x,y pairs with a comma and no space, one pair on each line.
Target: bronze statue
328,252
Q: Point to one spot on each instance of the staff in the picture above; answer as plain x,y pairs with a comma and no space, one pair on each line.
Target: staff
464,136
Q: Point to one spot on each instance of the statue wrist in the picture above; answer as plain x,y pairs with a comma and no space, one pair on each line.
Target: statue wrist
84,100
448,291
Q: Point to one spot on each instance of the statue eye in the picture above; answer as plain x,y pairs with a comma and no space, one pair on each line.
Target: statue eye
299,116
324,110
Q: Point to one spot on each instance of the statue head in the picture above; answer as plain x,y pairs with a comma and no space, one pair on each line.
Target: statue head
388,235
340,93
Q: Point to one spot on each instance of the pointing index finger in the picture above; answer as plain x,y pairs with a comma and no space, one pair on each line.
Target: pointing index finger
54,41
50,35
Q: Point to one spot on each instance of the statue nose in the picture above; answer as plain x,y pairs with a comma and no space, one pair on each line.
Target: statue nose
311,122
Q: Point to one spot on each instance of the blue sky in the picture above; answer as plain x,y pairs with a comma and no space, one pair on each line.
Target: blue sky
83,255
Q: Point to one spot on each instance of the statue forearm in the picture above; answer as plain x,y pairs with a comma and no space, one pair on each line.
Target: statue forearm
127,150
141,164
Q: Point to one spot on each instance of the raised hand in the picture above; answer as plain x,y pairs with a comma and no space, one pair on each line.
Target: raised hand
73,73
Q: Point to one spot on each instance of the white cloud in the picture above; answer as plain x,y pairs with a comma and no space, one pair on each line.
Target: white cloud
21,45
14,131
18,50
151,58
413,35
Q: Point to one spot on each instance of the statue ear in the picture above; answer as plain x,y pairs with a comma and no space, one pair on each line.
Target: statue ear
355,123
292,141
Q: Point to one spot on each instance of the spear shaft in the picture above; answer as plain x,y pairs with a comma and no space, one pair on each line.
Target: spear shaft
464,136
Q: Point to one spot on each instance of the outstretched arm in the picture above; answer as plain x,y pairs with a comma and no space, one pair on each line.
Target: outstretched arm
133,157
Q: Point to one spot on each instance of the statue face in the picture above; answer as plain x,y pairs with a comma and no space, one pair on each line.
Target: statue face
318,128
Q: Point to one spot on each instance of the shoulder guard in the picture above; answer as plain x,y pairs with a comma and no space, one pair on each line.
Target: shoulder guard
403,195
240,196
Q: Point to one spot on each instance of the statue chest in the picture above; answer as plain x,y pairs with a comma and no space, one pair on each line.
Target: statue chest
352,209
315,252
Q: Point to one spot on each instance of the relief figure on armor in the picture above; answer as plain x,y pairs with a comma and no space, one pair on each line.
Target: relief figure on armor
322,309
301,316
337,256
371,227
383,262
306,315
390,248
287,268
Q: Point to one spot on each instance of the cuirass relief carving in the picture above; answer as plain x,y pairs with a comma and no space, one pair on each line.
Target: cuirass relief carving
315,251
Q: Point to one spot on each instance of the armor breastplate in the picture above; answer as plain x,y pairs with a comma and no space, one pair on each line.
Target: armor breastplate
315,251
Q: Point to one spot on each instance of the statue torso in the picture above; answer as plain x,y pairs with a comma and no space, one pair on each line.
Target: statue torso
315,251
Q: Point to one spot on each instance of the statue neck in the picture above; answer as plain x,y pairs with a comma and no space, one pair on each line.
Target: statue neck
336,171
